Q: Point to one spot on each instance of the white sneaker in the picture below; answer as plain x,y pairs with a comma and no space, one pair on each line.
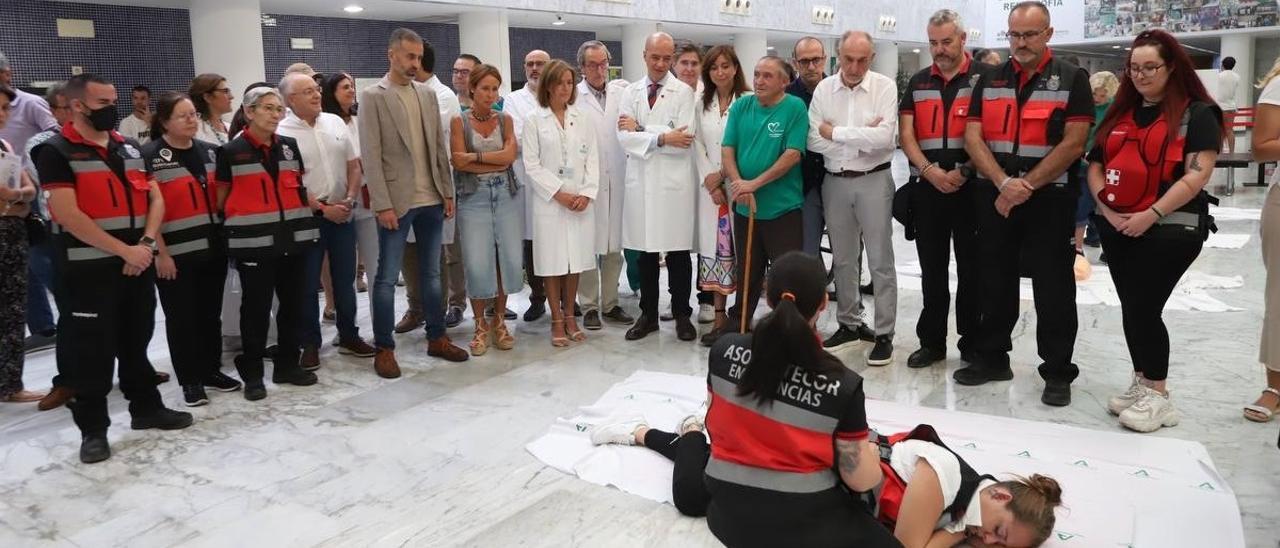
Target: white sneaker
706,313
616,432
697,421
1150,412
1117,404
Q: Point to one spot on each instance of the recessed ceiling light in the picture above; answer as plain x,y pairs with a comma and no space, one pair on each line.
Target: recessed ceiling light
916,50
559,21
1116,46
353,9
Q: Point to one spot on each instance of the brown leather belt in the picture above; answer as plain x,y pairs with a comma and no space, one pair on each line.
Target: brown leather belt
855,174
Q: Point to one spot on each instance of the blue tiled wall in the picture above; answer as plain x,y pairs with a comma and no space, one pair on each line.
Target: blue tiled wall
560,44
356,46
148,46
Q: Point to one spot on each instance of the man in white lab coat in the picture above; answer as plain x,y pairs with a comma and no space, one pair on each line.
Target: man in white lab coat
597,99
655,128
520,105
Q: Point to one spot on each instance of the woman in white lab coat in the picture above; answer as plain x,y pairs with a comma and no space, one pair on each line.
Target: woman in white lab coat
723,82
562,164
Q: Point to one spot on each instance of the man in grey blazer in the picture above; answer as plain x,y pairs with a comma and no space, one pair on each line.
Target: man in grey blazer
406,169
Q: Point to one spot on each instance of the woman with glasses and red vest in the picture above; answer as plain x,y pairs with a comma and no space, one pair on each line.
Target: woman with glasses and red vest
108,215
269,227
192,264
1154,152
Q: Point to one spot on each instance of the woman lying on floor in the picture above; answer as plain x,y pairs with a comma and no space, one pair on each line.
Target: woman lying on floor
789,423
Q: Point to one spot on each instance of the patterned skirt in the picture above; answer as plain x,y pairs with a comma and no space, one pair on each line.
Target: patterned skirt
13,302
717,273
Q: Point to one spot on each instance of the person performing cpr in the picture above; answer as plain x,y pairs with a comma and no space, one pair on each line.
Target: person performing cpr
1155,150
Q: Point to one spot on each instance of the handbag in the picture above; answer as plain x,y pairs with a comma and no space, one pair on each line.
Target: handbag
37,229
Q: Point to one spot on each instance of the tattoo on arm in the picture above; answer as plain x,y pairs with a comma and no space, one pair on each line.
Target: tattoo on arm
1195,163
849,456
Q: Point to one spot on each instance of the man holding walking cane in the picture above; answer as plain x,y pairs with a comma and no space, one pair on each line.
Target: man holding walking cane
764,139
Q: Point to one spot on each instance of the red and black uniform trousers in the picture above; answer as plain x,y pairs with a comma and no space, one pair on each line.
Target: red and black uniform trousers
1141,160
1024,116
886,498
940,111
269,228
105,315
192,301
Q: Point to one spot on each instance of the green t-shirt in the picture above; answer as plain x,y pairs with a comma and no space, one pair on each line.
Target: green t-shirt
759,135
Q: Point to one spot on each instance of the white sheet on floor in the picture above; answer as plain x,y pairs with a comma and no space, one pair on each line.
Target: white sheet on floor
1189,294
1219,240
1235,214
1120,489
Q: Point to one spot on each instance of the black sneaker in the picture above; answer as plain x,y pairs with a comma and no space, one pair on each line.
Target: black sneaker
617,314
254,391
536,310
845,335
194,395
868,289
709,338
162,418
969,356
453,317
221,382
882,352
298,377
1056,393
592,321
924,357
509,314
978,373
685,329
577,310
94,448
269,353
1103,257
36,343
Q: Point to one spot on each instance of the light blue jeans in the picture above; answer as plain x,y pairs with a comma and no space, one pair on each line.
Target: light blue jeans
491,219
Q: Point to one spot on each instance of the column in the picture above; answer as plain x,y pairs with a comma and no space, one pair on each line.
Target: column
886,61
926,58
226,38
486,34
751,45
632,54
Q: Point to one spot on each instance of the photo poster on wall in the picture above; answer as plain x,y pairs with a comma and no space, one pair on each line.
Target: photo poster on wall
1122,18
1067,17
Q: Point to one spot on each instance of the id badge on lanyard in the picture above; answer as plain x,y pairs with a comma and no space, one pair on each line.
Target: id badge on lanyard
566,171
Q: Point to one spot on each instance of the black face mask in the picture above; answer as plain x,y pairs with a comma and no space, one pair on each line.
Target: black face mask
105,118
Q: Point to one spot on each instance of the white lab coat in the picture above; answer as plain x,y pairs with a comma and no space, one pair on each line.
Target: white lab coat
563,240
659,206
450,108
613,163
520,105
707,156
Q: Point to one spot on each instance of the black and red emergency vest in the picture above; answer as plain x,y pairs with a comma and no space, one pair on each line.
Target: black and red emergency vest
886,499
940,111
1139,162
112,193
266,214
1025,115
190,201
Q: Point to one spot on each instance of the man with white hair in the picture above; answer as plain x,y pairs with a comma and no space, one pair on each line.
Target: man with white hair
520,105
332,180
597,99
655,128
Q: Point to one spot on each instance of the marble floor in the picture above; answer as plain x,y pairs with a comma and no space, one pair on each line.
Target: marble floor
436,458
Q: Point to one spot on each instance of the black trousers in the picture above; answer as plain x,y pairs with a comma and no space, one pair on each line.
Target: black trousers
1036,236
690,453
537,290
193,315
1145,270
261,279
941,221
679,284
106,317
772,239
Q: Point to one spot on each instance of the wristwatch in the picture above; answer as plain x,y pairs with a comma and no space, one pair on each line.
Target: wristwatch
967,171
150,242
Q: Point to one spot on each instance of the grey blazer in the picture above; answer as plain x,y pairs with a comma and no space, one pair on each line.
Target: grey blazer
385,150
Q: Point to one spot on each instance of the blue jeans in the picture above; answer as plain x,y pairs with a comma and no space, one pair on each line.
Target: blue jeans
339,240
39,280
490,217
814,221
428,226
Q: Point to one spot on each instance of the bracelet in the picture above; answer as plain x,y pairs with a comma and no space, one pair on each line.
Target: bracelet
1159,214
927,167
1005,182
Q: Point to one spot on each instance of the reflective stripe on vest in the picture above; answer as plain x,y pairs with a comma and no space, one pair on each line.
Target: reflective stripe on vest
249,243
184,224
779,411
79,254
773,480
187,247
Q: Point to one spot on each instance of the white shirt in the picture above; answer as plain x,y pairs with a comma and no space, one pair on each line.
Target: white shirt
450,108
136,128
520,105
326,148
853,145
210,135
1228,86
944,463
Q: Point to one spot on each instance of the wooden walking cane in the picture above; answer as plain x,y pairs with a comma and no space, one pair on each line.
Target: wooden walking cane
745,290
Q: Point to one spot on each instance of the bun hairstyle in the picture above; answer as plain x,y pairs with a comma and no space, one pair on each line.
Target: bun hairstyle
1032,503
797,289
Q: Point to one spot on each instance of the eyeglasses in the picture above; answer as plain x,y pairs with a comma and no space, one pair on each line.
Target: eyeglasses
462,73
1015,36
810,62
222,90
273,109
595,66
1146,72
